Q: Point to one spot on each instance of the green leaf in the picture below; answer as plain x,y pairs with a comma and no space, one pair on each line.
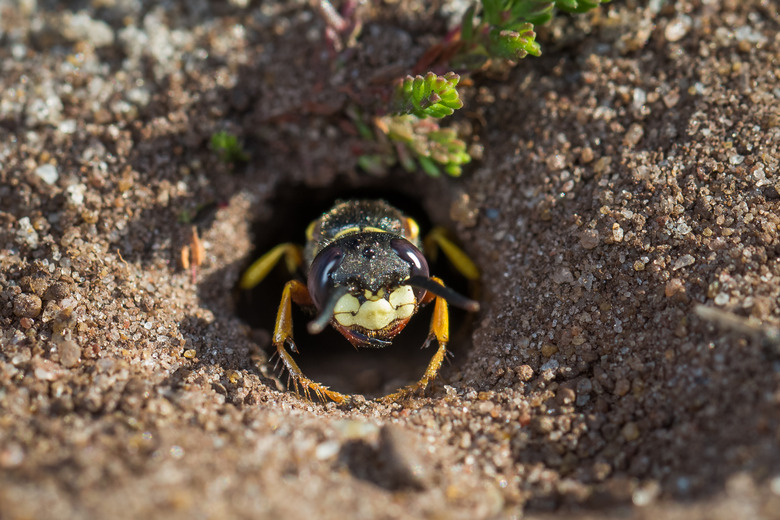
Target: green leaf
492,11
228,148
537,12
429,166
429,96
514,44
467,24
578,6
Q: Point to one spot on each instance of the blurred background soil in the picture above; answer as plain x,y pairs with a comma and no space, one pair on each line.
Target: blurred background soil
623,209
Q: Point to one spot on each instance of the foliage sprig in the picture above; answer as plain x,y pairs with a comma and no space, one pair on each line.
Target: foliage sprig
422,140
228,148
428,96
506,28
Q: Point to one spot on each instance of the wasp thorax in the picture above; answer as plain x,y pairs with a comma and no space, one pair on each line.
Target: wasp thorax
378,310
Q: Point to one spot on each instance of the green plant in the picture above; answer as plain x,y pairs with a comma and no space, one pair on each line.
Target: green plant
429,96
506,28
490,30
228,148
416,138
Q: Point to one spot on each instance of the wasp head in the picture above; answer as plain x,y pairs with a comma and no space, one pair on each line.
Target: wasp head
359,284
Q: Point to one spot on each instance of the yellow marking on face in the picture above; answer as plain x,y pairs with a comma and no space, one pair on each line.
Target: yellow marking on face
357,229
376,313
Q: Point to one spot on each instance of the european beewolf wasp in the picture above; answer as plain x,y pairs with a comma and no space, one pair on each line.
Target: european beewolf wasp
366,276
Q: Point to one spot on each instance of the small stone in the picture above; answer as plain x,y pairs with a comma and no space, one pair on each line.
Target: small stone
566,395
48,173
630,431
27,234
524,372
683,261
57,291
589,239
721,299
11,455
736,159
551,365
586,155
27,306
327,450
617,232
81,27
352,429
622,386
45,369
633,135
671,98
603,166
646,494
548,349
674,287
70,353
543,424
562,275
677,28
639,266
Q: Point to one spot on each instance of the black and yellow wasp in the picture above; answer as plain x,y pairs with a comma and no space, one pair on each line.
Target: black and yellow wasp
366,276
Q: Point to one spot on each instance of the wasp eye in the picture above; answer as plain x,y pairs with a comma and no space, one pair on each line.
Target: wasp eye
320,282
414,258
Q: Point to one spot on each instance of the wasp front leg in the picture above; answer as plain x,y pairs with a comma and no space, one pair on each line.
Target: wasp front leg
295,291
440,331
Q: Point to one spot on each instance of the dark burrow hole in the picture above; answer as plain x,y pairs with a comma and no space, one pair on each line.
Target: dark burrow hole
328,357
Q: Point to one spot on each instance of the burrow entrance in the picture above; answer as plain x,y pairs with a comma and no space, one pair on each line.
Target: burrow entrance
328,357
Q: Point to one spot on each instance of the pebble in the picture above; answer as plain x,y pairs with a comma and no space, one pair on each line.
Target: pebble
81,27
630,431
589,239
622,386
563,275
11,456
48,173
27,306
327,450
683,261
736,159
548,349
27,234
633,135
70,353
674,287
677,28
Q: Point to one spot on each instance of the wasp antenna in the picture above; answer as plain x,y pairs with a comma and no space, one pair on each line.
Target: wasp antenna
453,298
319,323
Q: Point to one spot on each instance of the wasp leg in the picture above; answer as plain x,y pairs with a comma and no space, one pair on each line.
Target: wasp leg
440,331
438,239
293,257
295,291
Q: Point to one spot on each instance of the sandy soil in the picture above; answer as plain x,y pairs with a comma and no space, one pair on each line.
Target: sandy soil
626,362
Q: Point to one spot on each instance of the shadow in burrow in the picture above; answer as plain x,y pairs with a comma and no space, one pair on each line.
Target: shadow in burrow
328,357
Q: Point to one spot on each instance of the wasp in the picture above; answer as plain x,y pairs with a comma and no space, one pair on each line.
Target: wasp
366,276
